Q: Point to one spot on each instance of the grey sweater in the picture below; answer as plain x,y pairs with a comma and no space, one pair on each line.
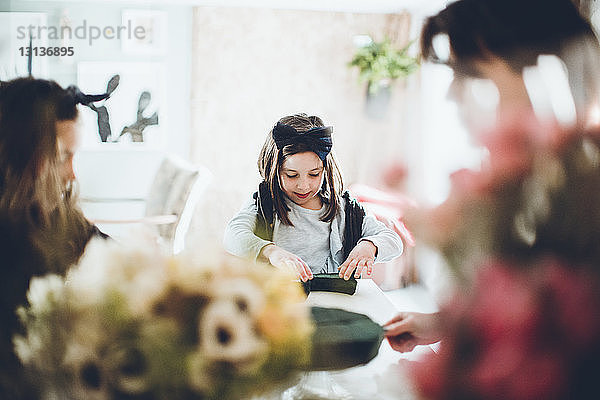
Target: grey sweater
318,243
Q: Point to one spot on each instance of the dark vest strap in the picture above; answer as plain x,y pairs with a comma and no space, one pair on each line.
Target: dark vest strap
264,218
355,214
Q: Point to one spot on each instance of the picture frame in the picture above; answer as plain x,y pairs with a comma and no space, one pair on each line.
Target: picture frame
148,32
122,106
14,39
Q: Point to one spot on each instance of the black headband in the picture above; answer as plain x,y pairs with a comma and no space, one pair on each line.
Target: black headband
317,139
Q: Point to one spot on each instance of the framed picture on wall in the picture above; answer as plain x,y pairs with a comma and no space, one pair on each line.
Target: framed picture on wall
148,32
140,99
15,30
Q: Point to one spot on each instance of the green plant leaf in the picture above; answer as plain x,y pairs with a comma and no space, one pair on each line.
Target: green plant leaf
381,61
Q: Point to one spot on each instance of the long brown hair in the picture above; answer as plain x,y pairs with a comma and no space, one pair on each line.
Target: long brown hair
271,159
32,193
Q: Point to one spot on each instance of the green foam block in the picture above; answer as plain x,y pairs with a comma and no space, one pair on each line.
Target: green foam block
329,283
343,339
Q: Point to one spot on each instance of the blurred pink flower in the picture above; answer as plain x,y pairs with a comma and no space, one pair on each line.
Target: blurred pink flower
510,148
468,183
527,326
514,144
394,176
506,306
518,335
575,305
539,376
443,222
432,376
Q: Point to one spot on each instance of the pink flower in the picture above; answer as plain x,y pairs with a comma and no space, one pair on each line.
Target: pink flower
575,298
510,148
468,183
520,334
506,305
515,142
539,376
444,221
394,175
496,366
431,375
529,327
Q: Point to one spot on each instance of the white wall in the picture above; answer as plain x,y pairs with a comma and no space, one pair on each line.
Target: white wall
176,59
110,171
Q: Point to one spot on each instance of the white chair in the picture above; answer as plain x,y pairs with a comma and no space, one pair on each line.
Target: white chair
169,205
175,191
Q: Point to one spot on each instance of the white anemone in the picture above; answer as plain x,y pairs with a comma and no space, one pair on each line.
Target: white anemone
242,292
90,377
139,273
228,335
129,370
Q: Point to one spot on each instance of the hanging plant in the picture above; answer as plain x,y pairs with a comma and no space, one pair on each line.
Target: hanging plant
379,63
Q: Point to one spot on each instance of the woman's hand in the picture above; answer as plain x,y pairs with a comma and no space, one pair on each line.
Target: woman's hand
362,256
283,259
409,329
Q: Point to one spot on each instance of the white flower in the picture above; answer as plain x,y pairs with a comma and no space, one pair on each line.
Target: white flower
228,335
90,377
45,292
128,369
139,273
46,295
100,362
245,294
87,345
129,320
190,277
198,377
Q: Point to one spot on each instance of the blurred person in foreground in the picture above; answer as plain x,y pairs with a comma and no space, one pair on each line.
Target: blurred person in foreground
495,40
42,229
524,231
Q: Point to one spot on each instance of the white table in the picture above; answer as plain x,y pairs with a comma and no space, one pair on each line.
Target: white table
384,377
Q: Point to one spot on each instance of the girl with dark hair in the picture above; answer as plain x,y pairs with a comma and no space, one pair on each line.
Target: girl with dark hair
42,229
300,217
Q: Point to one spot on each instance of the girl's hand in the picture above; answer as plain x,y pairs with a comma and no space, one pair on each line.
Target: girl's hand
362,256
283,259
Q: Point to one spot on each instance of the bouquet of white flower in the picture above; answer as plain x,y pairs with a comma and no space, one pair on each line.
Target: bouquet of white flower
130,323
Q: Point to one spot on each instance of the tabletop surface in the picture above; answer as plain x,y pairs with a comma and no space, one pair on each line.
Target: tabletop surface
385,376
368,300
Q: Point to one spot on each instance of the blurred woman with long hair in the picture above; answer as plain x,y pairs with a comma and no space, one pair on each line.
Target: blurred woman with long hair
42,229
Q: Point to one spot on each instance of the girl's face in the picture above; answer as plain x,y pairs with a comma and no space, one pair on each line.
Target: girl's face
301,177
